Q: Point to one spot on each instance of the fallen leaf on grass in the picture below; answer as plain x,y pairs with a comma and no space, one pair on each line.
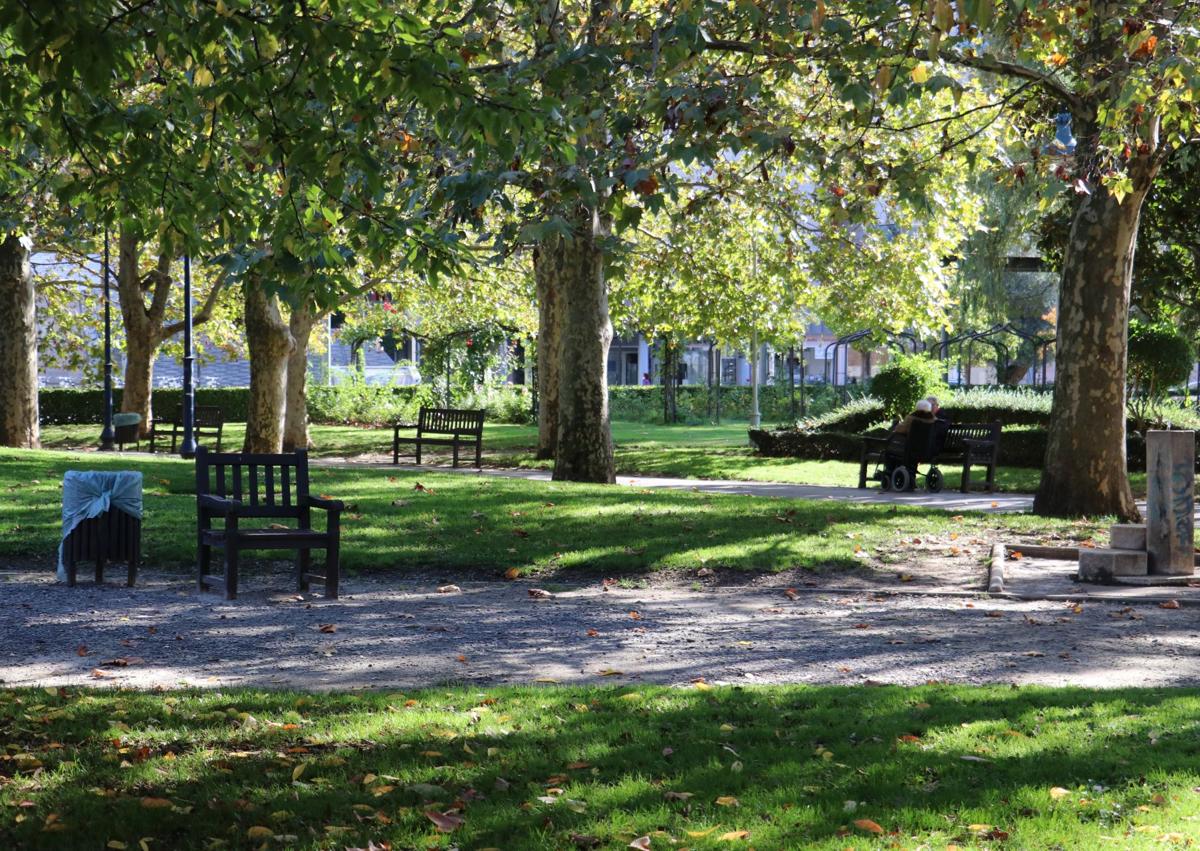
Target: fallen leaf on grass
734,834
699,834
446,822
973,758
512,573
1058,792
156,804
1169,604
448,589
259,832
868,825
583,840
642,843
727,801
677,796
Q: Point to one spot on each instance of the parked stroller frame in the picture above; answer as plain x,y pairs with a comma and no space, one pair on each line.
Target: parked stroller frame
899,466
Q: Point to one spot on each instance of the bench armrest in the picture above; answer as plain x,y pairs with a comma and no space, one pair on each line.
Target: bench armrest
398,426
218,504
868,438
333,505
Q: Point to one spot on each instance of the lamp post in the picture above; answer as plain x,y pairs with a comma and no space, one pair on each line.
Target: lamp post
106,436
188,448
755,414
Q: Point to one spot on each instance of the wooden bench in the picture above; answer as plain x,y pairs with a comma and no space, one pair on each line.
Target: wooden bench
234,486
971,444
207,424
465,427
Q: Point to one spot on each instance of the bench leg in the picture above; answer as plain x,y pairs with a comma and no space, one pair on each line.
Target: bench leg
991,478
454,447
303,562
862,471
396,447
231,571
203,565
966,477
333,556
69,564
418,453
478,453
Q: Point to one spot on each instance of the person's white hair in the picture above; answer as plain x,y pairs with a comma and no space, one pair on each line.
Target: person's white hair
924,407
932,400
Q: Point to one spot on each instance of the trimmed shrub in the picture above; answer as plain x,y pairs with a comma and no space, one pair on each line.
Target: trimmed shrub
905,380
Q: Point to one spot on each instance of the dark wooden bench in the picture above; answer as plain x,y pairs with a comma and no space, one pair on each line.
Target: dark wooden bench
232,487
112,535
207,423
465,428
971,444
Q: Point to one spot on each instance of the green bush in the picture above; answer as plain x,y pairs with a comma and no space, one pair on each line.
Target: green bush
1160,357
905,380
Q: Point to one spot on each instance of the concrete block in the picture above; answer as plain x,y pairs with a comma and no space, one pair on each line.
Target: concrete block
1170,501
1103,566
1127,536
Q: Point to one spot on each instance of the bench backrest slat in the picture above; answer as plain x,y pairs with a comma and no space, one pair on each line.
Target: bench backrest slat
280,490
450,421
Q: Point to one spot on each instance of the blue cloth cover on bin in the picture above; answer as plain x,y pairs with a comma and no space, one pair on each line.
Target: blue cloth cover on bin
89,493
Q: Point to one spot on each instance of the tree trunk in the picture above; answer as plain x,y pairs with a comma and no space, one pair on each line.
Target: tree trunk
18,346
1084,472
270,344
143,325
295,422
584,452
546,259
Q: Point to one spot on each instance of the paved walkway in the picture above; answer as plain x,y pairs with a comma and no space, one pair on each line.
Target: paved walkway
946,500
401,633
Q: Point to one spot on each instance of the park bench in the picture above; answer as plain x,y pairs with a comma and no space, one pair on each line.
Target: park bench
207,424
465,428
971,444
232,487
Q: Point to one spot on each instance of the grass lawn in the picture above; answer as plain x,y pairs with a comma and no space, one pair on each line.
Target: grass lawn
559,768
462,521
704,452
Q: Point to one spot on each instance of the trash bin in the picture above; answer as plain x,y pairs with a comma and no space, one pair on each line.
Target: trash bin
125,429
101,521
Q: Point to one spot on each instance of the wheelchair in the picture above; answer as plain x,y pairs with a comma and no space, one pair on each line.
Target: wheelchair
899,468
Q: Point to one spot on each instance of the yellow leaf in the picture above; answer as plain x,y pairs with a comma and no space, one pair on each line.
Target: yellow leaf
868,825
1059,792
920,73
259,832
699,834
734,834
298,771
631,696
979,828
156,804
727,728
728,801
116,845
611,672
202,76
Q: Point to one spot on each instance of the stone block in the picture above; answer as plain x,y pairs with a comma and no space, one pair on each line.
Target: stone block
1170,501
1127,536
1103,566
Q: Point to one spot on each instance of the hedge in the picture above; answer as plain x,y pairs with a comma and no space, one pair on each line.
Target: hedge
1019,447
355,403
373,404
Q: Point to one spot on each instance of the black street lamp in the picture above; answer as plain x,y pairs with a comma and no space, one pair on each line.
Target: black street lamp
188,447
106,436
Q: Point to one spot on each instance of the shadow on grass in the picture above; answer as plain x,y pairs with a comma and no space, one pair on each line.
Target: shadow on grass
487,523
530,768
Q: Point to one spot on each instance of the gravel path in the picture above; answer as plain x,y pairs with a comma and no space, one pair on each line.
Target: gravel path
403,633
